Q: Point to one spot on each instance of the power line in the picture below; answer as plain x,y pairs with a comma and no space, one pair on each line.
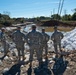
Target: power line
61,7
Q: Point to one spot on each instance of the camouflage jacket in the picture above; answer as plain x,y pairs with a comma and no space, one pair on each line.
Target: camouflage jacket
18,37
56,37
34,38
46,38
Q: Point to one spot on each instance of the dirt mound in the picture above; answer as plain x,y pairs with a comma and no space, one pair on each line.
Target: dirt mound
58,23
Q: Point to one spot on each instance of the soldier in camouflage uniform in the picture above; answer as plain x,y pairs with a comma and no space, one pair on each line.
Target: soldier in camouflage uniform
46,38
3,41
19,39
34,40
56,38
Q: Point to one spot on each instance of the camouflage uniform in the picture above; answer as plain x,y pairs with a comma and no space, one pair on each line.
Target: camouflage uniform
3,41
19,39
56,38
46,38
34,40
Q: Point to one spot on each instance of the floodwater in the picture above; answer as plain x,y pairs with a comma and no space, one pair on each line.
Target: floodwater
49,30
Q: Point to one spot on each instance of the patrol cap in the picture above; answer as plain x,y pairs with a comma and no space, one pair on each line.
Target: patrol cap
2,29
55,27
33,27
18,27
43,29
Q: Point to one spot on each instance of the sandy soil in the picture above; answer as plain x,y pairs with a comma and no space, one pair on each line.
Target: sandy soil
71,68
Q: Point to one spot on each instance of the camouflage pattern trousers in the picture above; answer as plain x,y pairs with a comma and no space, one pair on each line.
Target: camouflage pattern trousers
57,46
38,51
5,46
20,49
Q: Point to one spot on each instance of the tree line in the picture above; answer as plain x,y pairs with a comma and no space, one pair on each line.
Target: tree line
6,20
